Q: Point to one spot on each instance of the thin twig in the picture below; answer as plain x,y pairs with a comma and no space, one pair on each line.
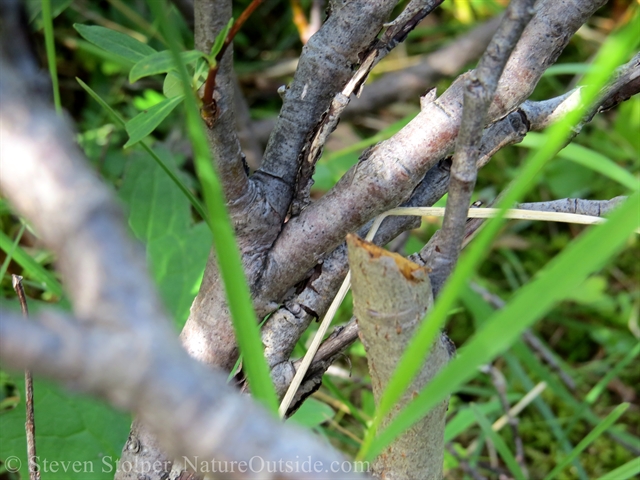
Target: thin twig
30,425
478,95
208,103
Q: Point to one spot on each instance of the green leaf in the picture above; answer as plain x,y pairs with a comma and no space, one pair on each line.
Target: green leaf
313,413
172,86
115,42
120,121
498,442
159,216
34,9
146,122
73,433
219,41
589,439
160,62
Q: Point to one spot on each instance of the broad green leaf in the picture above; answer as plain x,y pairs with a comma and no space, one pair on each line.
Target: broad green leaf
160,217
587,158
313,413
160,62
172,86
115,42
77,438
177,265
120,121
498,442
146,122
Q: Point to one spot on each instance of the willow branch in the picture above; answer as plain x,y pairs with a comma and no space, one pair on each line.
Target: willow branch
324,68
479,91
387,174
211,17
120,345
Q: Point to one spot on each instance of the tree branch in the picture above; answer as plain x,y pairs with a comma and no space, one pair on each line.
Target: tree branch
211,17
395,33
411,82
479,91
324,68
194,414
387,174
121,346
284,328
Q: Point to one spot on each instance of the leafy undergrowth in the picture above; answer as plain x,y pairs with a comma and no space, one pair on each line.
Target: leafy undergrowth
584,362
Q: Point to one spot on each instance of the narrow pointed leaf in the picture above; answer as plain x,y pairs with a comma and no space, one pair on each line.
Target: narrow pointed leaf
160,62
115,42
219,41
146,122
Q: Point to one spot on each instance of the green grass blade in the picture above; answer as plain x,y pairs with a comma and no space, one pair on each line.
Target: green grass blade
33,268
567,69
228,255
599,387
587,158
49,41
544,409
481,311
121,122
326,381
580,409
628,470
499,443
613,52
564,273
589,439
9,254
